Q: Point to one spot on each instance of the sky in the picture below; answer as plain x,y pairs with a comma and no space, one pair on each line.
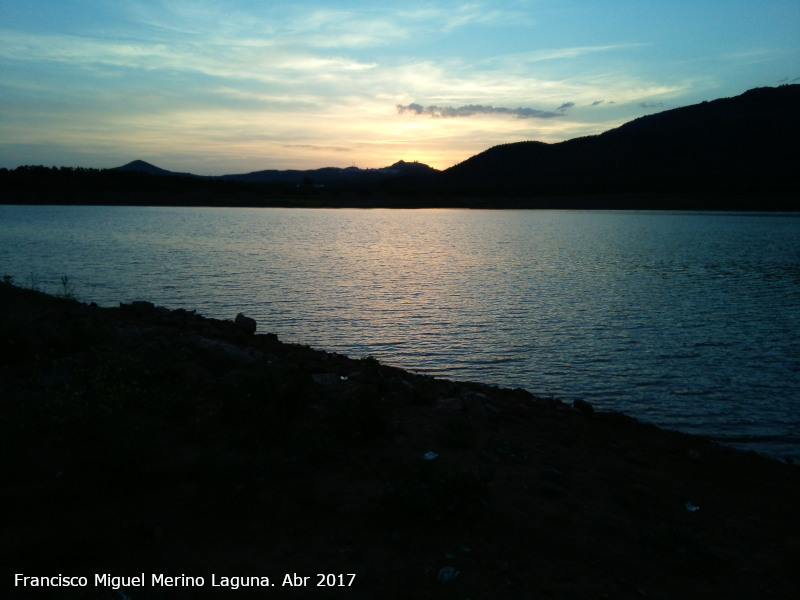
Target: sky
219,86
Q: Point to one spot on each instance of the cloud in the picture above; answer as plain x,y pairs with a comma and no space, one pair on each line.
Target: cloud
597,102
555,54
319,148
565,106
477,13
651,104
443,112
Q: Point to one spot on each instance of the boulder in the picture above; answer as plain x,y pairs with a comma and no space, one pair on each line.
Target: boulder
245,324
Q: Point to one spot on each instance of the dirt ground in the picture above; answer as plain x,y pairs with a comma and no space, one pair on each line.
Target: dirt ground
139,442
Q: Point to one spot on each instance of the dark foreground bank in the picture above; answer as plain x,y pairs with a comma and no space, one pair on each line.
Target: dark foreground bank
144,444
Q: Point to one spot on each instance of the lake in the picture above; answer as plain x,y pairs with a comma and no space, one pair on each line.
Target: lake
687,320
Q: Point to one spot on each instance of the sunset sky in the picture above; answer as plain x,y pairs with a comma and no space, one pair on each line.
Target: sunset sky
214,87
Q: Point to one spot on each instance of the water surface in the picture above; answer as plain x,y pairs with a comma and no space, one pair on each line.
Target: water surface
686,320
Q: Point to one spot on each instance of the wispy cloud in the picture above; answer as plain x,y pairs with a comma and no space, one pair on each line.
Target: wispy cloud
473,13
234,60
345,29
470,110
317,148
520,59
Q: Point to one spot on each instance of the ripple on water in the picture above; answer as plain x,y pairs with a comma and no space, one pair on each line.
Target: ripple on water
687,320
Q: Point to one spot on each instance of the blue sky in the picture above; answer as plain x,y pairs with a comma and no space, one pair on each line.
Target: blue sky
218,86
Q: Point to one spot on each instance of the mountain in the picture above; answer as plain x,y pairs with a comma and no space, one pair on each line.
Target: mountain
140,166
333,175
726,154
339,179
746,144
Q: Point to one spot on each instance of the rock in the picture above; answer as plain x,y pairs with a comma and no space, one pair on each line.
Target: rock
583,406
447,574
327,381
245,324
551,474
694,455
224,352
139,306
491,409
450,405
552,490
473,404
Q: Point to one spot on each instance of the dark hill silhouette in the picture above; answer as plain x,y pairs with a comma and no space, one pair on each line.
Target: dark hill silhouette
323,176
401,177
351,178
140,166
746,144
742,145
732,153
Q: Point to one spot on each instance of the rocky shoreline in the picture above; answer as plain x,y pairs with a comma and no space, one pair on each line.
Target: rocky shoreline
139,440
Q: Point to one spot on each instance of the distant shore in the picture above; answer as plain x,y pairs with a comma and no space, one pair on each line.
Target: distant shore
243,199
68,186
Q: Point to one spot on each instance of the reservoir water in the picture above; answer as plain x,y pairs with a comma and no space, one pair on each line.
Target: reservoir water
687,320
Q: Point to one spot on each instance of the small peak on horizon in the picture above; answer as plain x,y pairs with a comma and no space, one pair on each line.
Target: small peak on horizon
137,164
411,166
143,166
